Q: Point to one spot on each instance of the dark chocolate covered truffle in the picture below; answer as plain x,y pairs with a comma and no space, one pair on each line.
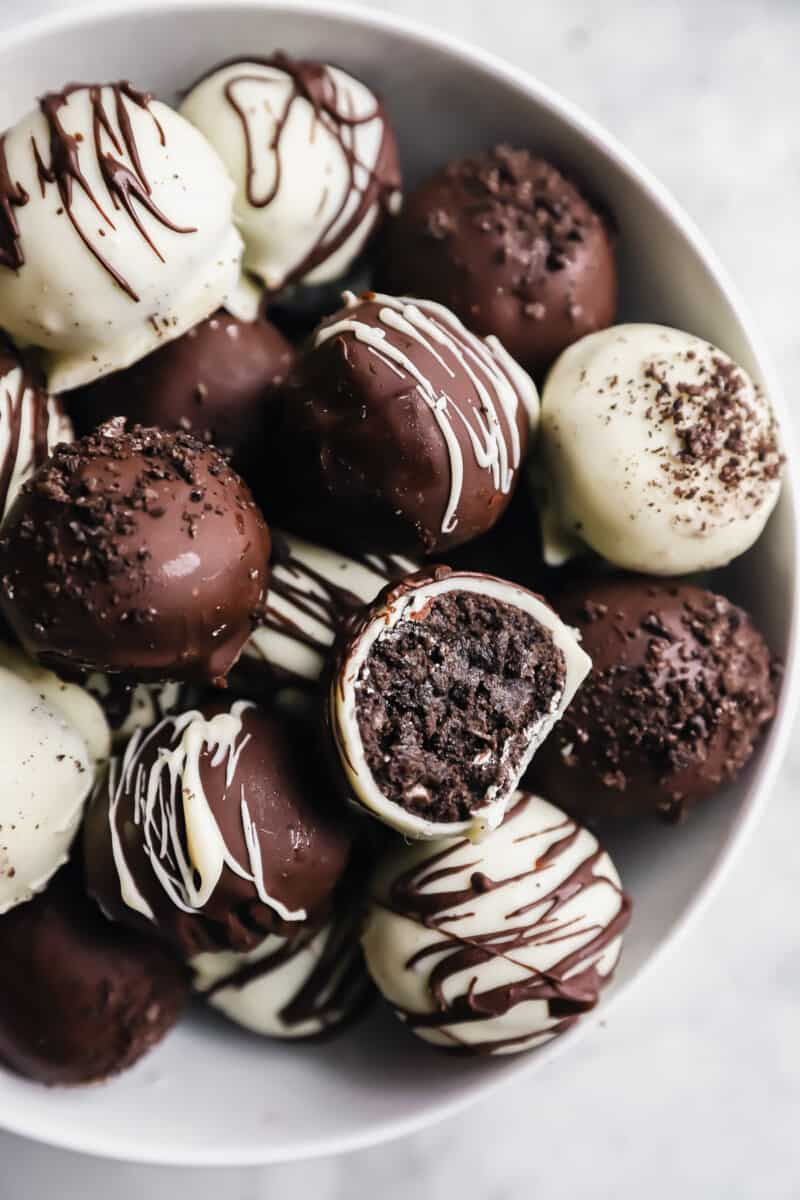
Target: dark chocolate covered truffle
682,685
440,693
139,553
215,828
398,430
214,379
82,999
512,247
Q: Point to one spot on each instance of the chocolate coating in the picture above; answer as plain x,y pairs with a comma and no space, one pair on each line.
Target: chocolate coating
240,842
138,553
512,247
681,687
216,378
398,430
81,999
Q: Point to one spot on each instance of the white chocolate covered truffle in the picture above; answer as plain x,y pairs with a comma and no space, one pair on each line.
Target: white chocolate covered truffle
116,230
47,773
73,702
313,157
440,695
290,988
496,948
659,452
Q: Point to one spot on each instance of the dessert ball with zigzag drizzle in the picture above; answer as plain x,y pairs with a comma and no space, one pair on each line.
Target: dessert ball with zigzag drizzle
116,230
499,947
214,829
398,431
314,160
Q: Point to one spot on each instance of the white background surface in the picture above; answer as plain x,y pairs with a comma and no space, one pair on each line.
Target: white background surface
692,1088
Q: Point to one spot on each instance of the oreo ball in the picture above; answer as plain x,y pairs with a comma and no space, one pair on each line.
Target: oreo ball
138,553
82,999
215,828
398,431
512,247
214,379
682,686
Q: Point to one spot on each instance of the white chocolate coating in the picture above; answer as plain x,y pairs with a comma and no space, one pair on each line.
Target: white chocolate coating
312,590
74,703
292,167
63,298
47,773
632,477
286,989
343,703
31,423
534,912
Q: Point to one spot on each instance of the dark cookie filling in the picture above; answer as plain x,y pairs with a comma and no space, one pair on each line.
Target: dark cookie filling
447,702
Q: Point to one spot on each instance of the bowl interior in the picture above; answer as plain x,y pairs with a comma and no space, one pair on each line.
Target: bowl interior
212,1093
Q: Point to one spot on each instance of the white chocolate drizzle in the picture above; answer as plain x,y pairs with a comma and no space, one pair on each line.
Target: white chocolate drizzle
488,414
169,797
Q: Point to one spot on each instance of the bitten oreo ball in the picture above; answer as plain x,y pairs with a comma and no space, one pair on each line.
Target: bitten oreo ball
512,247
398,431
82,999
138,553
214,828
214,379
441,692
496,948
659,453
681,688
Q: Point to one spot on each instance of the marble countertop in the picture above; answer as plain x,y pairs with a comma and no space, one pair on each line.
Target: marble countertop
692,1086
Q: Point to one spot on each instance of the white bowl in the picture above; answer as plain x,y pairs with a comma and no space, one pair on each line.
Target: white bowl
212,1094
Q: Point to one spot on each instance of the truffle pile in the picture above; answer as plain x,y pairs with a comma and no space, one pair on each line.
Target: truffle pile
283,722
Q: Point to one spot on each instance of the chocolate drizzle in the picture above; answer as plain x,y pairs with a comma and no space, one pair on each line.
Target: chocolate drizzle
373,184
308,606
127,185
569,987
12,195
335,988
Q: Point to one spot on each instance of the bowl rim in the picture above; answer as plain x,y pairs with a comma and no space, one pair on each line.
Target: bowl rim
774,749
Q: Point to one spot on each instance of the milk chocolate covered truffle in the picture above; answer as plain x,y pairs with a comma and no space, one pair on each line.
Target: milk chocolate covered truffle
660,453
216,378
399,431
116,229
82,999
31,423
440,694
682,685
47,772
293,988
313,157
135,552
496,948
512,247
313,591
213,829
